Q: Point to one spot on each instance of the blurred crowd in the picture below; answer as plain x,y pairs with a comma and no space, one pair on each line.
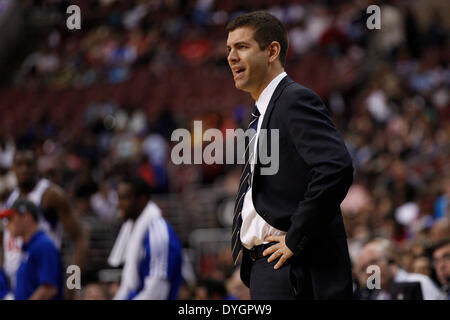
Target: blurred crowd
113,92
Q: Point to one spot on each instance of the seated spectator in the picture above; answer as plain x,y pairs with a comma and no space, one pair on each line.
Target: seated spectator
441,263
378,253
422,265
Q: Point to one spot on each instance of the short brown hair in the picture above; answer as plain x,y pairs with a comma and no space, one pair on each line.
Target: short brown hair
267,28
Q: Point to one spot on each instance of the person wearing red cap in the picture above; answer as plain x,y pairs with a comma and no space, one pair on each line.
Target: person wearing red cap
39,276
54,213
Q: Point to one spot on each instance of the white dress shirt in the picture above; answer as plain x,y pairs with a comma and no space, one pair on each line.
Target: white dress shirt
254,228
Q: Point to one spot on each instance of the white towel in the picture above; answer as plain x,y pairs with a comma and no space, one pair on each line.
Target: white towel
117,255
128,249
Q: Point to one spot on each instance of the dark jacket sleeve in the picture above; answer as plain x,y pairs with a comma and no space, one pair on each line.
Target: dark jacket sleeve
322,147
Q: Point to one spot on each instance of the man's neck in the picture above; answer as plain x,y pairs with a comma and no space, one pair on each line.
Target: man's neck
271,74
27,187
140,210
29,233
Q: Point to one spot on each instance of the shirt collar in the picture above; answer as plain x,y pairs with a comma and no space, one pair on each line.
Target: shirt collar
266,94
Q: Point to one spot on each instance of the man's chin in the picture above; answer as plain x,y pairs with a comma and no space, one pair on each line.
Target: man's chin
240,85
25,182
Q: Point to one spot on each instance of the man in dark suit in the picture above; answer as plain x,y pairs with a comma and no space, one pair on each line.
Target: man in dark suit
287,226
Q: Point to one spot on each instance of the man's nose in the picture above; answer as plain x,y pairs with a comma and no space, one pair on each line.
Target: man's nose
232,57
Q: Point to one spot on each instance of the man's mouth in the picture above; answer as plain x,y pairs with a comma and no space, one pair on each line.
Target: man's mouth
238,73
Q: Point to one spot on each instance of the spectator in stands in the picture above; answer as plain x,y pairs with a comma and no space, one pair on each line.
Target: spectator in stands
39,276
442,204
439,230
211,289
441,262
378,253
187,291
236,288
422,265
94,291
104,203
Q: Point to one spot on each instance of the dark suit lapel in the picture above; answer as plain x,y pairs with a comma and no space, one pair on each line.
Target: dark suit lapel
283,84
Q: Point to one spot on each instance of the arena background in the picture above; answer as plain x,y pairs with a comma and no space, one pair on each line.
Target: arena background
102,101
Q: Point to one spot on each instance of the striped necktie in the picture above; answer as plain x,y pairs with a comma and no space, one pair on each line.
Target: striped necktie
244,184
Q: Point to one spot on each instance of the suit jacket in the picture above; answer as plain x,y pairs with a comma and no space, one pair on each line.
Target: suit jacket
303,198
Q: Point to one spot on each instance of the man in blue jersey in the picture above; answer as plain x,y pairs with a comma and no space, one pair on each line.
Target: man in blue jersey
39,276
146,246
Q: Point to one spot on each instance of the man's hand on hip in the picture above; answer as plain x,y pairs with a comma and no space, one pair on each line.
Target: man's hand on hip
278,250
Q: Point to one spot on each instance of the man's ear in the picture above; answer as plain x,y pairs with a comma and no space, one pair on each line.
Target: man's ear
273,51
28,217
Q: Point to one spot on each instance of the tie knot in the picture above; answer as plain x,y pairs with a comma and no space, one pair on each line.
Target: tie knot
255,112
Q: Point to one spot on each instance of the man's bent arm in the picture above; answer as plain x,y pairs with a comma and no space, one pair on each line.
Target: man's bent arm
322,148
71,222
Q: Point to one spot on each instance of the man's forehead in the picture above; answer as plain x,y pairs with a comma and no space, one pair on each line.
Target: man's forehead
443,250
243,34
368,253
